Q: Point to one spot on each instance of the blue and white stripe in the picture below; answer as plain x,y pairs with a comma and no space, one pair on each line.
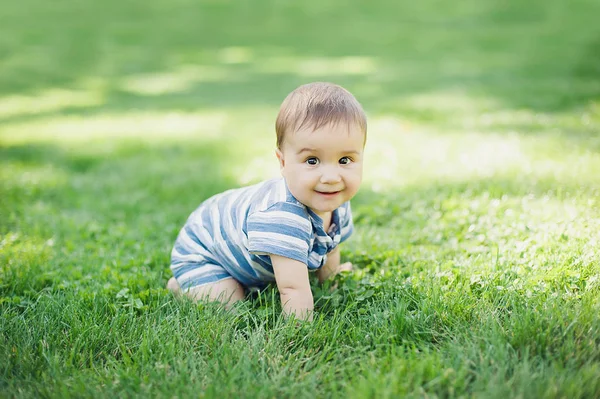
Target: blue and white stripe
233,234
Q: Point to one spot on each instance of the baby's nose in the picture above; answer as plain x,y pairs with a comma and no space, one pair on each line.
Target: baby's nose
330,175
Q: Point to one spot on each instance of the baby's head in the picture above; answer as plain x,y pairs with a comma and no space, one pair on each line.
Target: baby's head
318,104
321,132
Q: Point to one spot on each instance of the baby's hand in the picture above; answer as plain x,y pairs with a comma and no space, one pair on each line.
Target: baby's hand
346,267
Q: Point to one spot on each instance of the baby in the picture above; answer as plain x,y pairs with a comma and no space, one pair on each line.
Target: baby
281,229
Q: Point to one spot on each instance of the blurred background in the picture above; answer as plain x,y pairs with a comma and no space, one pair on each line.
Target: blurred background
117,118
477,225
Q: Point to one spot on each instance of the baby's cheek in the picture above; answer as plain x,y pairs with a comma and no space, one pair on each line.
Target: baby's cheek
355,183
307,177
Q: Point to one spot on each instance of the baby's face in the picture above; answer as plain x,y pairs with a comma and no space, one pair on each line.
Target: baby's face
323,167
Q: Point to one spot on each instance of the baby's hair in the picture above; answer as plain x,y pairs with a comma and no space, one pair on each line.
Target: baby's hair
316,105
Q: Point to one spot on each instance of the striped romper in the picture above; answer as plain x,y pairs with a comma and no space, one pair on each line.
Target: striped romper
232,234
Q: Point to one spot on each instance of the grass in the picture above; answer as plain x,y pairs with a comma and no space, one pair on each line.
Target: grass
477,227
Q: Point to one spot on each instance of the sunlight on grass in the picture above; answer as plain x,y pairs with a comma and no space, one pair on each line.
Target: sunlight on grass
317,66
183,77
178,80
399,154
51,100
498,118
14,244
145,126
17,174
235,55
449,101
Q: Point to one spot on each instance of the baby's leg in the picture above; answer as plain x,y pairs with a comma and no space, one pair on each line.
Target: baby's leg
227,291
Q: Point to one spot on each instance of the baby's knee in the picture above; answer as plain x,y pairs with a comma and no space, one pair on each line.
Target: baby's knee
173,286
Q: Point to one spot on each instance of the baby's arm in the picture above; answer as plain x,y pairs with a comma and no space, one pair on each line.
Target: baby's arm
294,287
332,266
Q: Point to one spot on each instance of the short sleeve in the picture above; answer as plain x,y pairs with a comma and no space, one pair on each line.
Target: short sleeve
347,225
283,229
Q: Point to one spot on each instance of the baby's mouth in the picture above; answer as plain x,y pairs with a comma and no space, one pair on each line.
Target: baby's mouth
328,193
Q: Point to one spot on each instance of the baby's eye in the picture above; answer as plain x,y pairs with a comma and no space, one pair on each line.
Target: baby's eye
312,161
345,160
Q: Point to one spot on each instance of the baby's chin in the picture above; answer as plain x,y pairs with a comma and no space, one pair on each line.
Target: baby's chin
324,210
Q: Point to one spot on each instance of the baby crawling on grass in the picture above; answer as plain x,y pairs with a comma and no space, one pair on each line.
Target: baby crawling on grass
280,229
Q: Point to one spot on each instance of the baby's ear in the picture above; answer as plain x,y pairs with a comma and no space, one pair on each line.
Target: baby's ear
279,155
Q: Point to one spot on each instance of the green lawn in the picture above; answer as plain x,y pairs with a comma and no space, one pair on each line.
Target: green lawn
477,226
